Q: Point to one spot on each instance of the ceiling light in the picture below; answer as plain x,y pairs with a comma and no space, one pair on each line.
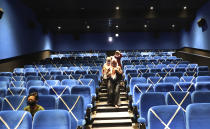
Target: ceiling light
173,25
117,8
185,7
116,35
145,26
117,26
110,39
152,8
88,27
59,27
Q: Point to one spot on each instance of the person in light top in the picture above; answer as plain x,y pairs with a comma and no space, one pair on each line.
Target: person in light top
114,77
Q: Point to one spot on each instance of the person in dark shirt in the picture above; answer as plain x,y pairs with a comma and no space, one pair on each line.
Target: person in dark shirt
118,57
32,101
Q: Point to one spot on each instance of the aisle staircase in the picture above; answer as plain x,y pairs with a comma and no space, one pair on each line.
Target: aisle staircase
109,117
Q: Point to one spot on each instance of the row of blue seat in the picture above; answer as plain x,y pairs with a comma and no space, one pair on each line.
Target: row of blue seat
156,115
52,119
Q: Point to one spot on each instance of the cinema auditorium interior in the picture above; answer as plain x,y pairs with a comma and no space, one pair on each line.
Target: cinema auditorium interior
104,64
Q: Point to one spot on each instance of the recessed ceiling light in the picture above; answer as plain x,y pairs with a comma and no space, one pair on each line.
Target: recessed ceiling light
59,27
110,39
88,27
145,26
82,8
173,25
117,8
117,26
116,35
185,7
152,8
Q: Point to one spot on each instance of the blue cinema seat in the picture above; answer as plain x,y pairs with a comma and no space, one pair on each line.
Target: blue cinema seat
34,83
48,102
201,97
12,118
59,90
185,86
165,113
164,87
197,116
78,111
52,119
17,84
42,90
16,91
52,82
17,102
202,86
172,80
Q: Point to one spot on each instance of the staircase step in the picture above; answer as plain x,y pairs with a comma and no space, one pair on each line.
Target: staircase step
101,104
112,109
112,123
105,90
112,115
105,98
123,127
105,94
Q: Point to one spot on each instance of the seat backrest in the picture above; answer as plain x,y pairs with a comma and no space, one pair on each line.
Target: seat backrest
4,84
76,76
17,84
203,73
83,72
84,91
146,75
176,98
17,102
48,102
197,116
185,86
173,80
201,97
78,110
155,70
61,77
149,99
164,87
16,91
191,73
52,82
203,68
177,74
9,74
162,74
12,118
34,83
52,119
136,80
18,78
140,89
56,72
154,80
69,82
203,79
60,90
94,77
3,92
188,79
202,86
42,90
90,83
180,69
166,113
5,78
33,78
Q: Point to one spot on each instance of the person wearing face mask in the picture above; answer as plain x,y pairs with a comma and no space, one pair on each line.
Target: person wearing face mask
106,69
114,78
32,101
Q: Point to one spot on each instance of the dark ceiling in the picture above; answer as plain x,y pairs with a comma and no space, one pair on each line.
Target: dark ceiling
73,16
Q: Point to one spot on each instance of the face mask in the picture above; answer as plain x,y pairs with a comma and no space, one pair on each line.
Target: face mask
32,103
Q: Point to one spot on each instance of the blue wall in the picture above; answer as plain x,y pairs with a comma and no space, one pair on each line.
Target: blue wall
195,38
16,38
126,40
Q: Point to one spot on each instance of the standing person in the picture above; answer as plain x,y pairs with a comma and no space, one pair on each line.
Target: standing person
114,78
106,69
32,101
118,57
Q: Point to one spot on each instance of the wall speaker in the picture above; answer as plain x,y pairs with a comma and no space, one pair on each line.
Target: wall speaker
1,13
201,22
